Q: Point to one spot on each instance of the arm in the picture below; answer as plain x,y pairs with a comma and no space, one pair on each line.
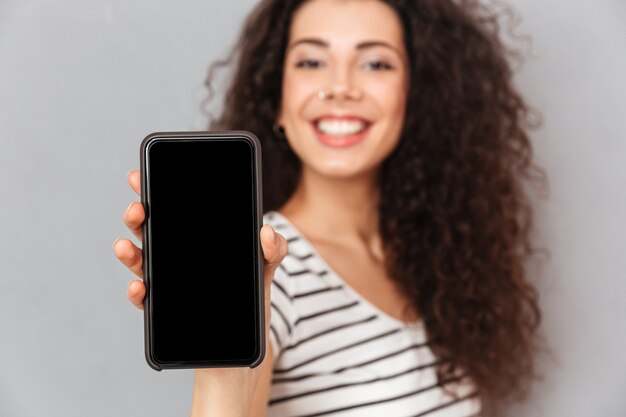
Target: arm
230,392
262,392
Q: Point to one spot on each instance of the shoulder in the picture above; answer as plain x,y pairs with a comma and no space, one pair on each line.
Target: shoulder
299,279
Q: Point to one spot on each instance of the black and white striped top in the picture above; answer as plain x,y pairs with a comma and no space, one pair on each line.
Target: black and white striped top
337,354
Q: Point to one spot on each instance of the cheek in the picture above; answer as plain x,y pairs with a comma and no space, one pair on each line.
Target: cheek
390,97
296,91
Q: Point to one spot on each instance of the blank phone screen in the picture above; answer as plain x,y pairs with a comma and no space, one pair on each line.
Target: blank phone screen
203,253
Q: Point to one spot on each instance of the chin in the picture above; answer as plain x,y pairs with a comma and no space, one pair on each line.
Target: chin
341,170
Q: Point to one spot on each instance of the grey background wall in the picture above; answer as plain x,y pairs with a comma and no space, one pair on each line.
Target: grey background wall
82,82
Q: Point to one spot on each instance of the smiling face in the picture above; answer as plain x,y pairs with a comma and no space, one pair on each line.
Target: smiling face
344,85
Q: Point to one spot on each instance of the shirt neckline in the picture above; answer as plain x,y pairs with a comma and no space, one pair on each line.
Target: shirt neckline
332,273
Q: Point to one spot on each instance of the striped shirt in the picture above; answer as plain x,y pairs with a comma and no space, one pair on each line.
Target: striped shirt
336,354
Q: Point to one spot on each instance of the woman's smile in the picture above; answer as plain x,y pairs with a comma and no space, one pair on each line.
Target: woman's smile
340,131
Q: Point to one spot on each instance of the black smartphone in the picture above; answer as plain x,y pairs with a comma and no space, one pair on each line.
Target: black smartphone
202,259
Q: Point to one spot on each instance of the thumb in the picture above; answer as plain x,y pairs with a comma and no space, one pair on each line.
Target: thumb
274,247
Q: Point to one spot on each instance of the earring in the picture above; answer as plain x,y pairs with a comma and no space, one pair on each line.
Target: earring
278,130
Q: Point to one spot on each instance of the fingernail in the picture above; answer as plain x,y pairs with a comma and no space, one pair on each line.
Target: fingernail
115,241
274,237
131,204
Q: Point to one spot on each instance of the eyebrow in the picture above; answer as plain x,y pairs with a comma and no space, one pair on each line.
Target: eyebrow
359,46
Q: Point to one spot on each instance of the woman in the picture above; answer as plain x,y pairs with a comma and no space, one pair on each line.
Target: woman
394,147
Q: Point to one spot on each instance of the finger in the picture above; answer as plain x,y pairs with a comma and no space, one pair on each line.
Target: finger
274,247
134,180
136,293
134,217
130,255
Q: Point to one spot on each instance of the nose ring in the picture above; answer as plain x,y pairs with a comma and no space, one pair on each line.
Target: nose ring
321,94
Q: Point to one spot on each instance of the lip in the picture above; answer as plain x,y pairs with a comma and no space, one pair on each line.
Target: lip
342,141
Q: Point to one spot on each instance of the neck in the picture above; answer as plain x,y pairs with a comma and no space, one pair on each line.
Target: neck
336,208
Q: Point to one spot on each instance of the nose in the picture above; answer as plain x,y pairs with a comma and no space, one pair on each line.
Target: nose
341,86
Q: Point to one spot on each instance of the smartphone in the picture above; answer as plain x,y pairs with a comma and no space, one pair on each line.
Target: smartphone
202,259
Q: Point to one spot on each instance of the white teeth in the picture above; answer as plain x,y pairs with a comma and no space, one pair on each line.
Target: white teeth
340,127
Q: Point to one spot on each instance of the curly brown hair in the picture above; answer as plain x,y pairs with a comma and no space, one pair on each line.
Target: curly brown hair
454,217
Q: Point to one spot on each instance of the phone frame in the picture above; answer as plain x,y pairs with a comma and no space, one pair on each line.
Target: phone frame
146,252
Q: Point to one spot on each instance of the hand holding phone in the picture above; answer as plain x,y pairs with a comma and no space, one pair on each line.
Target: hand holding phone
273,250
131,256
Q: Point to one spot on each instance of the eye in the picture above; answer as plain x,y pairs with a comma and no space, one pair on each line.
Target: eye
309,63
378,65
